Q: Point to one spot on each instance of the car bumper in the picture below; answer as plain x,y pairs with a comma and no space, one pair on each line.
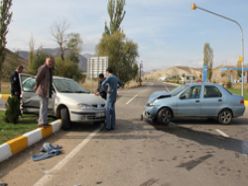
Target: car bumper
150,113
84,117
238,112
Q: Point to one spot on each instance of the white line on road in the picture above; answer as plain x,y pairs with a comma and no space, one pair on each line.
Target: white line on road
49,174
222,133
132,99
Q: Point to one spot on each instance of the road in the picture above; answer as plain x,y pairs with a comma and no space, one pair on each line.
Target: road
188,152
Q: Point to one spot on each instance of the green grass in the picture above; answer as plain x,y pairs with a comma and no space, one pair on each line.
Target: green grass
9,131
238,92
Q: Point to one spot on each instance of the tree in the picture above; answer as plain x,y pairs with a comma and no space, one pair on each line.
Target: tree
38,60
116,14
67,68
58,31
208,59
239,65
5,18
74,45
122,54
31,56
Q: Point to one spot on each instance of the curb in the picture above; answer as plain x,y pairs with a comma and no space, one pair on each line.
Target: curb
20,143
4,97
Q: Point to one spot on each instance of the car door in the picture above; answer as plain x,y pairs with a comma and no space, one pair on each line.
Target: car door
212,101
30,102
189,102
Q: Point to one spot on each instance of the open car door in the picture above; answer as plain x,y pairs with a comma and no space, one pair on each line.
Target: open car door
30,102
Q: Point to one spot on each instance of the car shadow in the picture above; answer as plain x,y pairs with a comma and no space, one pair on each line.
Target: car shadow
208,121
205,138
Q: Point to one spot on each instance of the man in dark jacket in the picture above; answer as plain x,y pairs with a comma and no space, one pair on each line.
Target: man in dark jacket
100,90
43,89
15,82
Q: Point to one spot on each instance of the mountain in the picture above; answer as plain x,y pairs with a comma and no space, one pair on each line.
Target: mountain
56,52
12,60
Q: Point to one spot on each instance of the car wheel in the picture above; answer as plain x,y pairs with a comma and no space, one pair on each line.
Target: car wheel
66,123
164,116
225,116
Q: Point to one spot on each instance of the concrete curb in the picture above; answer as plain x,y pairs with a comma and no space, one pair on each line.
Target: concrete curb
20,143
4,97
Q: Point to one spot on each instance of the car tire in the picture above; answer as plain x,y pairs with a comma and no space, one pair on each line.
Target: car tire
66,123
225,116
164,116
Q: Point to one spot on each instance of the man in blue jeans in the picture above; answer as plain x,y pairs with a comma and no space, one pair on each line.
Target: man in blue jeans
110,84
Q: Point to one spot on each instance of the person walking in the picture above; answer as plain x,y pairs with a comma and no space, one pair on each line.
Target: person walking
100,91
43,89
111,84
15,82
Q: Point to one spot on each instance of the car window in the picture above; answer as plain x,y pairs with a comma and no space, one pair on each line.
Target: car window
28,84
192,92
211,92
68,86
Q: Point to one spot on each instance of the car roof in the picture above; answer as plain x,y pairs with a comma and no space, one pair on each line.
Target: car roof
202,83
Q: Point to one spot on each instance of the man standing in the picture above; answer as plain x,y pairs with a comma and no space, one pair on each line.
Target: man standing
100,90
15,82
111,84
44,89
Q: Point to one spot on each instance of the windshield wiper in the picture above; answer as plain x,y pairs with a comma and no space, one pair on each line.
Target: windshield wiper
80,91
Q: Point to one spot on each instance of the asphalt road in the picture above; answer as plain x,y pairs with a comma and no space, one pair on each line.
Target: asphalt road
188,152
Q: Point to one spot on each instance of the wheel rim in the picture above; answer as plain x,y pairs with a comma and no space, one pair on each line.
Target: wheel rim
225,116
165,116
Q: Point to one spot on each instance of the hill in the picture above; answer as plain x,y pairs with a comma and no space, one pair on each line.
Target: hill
218,74
12,60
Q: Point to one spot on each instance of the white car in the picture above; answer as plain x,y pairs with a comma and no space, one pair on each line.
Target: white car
70,101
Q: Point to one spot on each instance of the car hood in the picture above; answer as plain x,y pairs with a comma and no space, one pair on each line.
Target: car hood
158,94
80,98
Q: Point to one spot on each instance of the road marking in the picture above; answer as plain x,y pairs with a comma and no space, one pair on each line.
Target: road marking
132,99
222,133
50,173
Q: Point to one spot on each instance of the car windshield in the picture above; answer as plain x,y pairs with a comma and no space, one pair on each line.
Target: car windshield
68,86
178,89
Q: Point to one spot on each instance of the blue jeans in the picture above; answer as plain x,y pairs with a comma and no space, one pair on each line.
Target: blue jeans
110,115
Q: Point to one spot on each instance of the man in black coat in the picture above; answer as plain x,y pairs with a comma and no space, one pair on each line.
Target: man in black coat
15,82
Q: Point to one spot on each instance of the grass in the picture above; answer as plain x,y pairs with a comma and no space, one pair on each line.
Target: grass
238,92
9,131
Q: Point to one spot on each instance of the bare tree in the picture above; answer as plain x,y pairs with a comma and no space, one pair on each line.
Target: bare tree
5,18
58,32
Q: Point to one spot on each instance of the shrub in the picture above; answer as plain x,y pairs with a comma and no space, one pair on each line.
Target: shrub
12,110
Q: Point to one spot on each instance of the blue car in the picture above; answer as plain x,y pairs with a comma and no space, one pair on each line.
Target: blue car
207,100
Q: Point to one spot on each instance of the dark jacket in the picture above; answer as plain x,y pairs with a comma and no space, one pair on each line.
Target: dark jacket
44,81
15,84
101,91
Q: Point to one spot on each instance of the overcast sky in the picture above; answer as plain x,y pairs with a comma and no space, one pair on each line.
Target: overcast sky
167,32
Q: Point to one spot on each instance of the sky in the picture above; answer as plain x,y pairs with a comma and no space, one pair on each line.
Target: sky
168,32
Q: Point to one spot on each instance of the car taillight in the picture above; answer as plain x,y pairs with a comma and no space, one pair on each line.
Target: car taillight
242,101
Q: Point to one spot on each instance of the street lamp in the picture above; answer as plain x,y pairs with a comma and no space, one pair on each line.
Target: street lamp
194,7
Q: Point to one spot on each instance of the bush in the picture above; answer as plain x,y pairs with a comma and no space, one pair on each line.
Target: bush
229,84
12,110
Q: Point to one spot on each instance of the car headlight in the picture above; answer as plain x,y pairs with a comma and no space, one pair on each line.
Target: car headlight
84,106
151,104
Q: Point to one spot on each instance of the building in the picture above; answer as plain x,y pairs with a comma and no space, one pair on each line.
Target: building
96,65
